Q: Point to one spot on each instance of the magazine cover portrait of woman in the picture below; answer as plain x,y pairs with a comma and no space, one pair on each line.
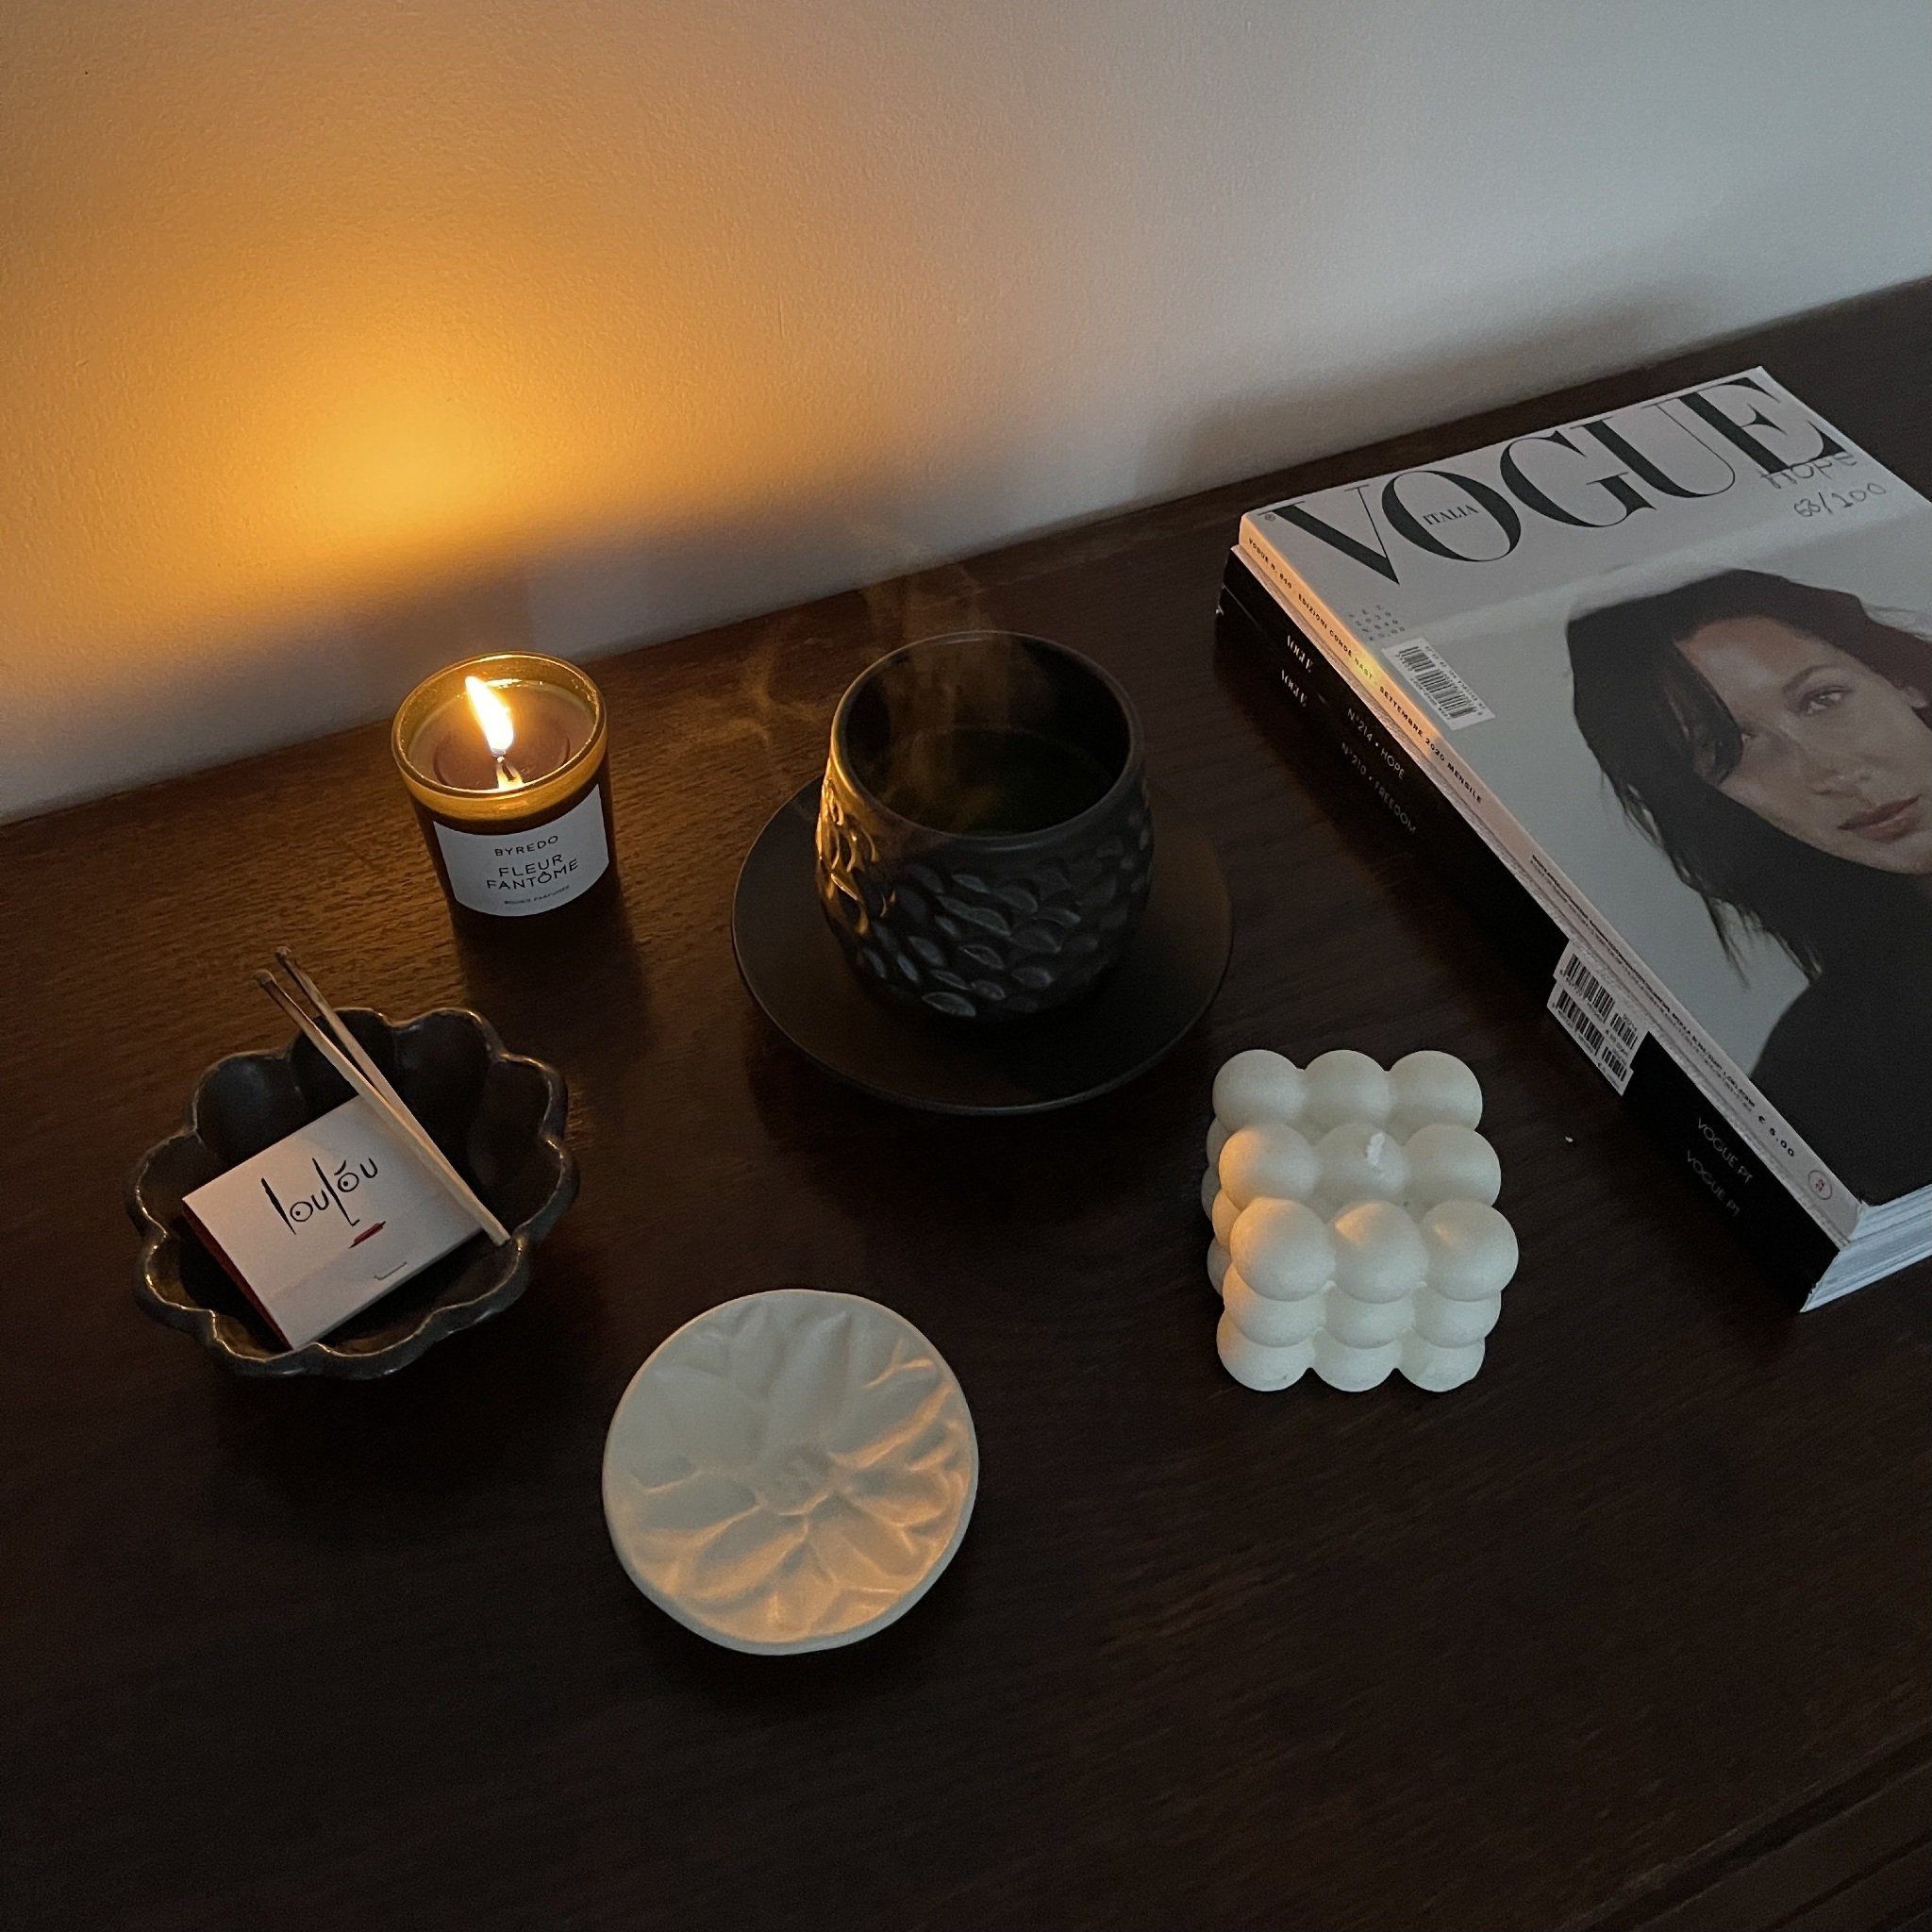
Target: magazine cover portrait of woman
1773,740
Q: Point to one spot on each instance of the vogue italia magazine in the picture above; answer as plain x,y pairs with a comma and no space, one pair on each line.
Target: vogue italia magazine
1656,688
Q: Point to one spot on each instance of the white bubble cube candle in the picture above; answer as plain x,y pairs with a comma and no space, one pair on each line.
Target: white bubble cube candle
1354,1226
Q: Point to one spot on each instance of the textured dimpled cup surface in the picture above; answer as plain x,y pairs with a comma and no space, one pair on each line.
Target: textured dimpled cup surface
1355,1228
985,846
790,1471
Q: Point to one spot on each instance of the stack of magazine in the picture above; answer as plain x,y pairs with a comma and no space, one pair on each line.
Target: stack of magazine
1655,689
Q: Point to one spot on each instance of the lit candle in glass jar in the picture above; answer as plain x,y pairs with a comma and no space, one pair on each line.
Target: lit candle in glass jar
505,759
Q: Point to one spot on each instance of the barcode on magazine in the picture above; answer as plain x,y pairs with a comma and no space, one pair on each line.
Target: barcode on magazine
1596,1018
1438,684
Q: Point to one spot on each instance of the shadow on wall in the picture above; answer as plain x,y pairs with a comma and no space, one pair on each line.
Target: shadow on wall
1253,432
275,682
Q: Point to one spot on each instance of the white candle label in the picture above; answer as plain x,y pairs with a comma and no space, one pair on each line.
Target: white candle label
513,874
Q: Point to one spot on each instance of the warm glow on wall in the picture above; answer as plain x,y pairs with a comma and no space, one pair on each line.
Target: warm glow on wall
391,474
446,299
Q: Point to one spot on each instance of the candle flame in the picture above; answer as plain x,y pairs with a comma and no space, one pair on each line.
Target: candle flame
493,714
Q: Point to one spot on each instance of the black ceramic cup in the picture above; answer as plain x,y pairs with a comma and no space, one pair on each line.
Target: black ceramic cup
983,841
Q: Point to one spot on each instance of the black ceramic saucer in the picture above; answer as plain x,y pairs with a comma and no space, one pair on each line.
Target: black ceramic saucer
794,970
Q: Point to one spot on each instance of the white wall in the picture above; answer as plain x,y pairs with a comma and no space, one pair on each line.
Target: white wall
338,337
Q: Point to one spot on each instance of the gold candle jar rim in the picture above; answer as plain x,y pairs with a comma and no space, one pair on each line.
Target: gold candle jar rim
523,667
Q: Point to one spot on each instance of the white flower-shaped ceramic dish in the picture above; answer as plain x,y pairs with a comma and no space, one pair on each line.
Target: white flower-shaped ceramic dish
790,1471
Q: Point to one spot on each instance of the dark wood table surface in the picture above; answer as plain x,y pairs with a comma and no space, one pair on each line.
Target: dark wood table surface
1634,1630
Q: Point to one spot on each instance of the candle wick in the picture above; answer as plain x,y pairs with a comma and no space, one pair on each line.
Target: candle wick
507,776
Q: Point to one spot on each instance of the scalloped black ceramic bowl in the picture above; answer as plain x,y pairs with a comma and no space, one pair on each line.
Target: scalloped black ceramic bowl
498,1116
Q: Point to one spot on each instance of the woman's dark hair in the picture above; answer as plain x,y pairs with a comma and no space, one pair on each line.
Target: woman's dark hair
1664,740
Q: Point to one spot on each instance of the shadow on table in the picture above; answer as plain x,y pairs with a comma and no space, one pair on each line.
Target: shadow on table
383,1462
1046,1182
574,995
899,1660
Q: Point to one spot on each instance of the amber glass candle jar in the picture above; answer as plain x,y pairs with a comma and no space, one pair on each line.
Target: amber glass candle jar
504,758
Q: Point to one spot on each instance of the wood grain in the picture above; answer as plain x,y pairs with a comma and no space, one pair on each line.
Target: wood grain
1635,1630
